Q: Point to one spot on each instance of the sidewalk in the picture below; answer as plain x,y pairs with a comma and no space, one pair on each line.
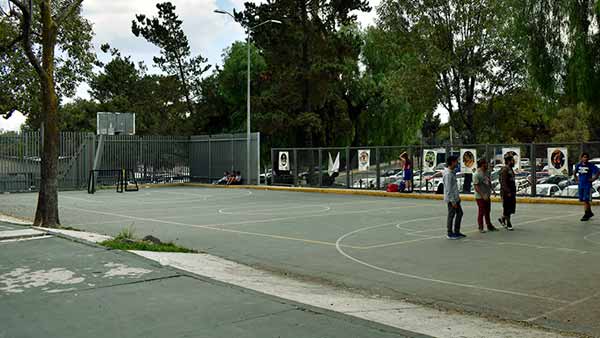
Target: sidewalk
54,287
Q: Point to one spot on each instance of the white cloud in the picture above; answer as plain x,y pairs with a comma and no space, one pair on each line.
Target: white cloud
13,123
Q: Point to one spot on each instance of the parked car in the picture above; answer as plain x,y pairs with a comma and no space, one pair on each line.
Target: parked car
573,191
548,190
554,179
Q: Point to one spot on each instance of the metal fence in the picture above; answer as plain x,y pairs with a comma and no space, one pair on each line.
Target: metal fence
20,161
153,159
542,169
211,156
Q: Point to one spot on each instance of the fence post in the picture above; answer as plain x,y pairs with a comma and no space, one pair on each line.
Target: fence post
209,159
272,167
295,173
533,160
348,167
377,167
320,171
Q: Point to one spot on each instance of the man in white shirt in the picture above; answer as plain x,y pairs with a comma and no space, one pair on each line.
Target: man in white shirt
452,199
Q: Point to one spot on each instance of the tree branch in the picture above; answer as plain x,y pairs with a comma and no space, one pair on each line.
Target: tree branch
26,18
67,12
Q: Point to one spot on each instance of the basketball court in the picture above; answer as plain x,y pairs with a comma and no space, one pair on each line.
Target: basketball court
545,272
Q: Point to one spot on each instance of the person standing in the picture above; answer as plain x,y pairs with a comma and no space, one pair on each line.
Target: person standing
407,171
483,193
585,174
452,199
508,192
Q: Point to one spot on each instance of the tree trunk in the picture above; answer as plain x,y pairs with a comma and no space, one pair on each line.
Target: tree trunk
47,208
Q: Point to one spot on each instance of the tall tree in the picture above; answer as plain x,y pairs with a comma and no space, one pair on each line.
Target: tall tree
176,59
35,29
307,56
563,43
468,44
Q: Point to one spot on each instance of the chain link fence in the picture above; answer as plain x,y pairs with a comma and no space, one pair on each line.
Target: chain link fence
543,170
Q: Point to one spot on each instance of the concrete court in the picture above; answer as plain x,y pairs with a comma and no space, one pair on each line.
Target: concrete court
58,288
546,272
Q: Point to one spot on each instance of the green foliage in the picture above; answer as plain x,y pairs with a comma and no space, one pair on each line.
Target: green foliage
125,240
572,123
176,59
466,43
126,234
563,43
74,59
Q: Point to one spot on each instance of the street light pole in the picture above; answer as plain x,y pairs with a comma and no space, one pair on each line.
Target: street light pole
248,105
248,134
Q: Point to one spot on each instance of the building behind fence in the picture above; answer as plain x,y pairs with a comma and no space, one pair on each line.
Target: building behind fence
153,159
316,167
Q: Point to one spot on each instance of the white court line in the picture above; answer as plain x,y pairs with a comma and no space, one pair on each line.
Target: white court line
439,281
593,234
214,228
266,211
527,245
216,225
577,302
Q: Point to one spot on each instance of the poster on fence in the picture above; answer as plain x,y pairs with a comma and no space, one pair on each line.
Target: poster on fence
429,160
364,159
558,161
468,161
515,153
333,166
284,161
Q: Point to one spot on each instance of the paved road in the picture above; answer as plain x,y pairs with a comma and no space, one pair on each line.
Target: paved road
544,272
58,288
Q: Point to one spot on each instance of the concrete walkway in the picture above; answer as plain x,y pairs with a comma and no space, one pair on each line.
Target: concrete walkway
55,287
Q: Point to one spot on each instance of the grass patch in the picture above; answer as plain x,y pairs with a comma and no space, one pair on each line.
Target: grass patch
141,245
125,240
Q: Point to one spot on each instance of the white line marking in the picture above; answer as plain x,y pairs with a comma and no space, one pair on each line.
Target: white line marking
593,234
439,281
215,228
579,301
266,211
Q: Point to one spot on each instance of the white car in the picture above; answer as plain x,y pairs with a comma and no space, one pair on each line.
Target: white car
596,161
548,190
573,191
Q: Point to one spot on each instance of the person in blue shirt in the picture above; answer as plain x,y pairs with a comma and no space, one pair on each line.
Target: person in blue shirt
585,174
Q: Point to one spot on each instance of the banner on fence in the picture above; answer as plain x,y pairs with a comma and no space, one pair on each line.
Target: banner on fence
429,160
558,161
364,159
468,161
334,166
284,163
515,153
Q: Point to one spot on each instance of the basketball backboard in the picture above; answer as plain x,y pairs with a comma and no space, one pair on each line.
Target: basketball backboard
115,123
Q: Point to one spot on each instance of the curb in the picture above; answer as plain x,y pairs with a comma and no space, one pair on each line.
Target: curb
526,200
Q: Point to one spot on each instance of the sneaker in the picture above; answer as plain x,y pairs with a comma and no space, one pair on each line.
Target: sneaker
502,221
509,227
452,237
482,231
585,218
459,235
591,214
492,228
